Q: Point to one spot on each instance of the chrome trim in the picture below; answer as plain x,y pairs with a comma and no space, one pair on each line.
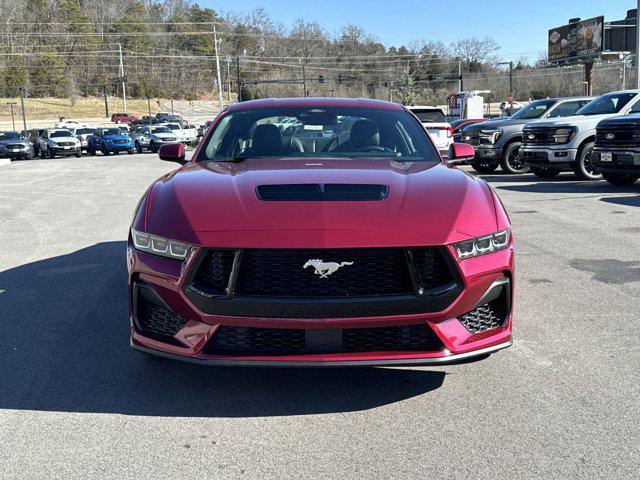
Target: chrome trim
342,363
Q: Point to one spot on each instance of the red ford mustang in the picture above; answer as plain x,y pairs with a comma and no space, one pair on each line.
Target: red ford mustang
319,232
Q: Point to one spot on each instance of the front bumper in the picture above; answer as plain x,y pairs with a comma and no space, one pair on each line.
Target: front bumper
14,154
561,158
455,341
62,151
490,154
623,160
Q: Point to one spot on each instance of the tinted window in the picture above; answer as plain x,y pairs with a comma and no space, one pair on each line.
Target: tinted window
60,133
8,135
606,104
566,109
83,131
429,115
160,130
110,131
635,108
534,109
318,132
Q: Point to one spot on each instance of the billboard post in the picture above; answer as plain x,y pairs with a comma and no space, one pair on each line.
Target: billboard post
581,41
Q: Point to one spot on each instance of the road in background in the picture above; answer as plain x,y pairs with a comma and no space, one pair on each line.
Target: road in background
76,402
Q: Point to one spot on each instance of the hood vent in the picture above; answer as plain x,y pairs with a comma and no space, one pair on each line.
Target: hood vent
328,192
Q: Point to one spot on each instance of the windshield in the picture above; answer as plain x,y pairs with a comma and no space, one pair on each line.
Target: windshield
534,109
611,103
335,132
60,133
429,115
8,135
110,131
83,131
160,130
173,126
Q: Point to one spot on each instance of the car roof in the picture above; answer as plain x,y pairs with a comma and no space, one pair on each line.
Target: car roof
315,102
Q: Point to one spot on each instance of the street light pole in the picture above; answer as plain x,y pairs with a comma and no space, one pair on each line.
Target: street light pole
13,118
215,44
638,46
24,118
122,81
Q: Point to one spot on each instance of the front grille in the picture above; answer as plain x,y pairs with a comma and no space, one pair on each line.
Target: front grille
243,341
156,319
291,273
472,138
13,146
214,271
66,144
486,317
538,136
618,137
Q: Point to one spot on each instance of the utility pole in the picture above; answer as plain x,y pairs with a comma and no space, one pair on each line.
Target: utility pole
13,118
229,77
215,44
171,107
239,80
638,46
149,108
106,101
24,117
304,78
122,81
460,75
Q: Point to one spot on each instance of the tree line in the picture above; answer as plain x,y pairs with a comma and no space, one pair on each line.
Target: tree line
69,48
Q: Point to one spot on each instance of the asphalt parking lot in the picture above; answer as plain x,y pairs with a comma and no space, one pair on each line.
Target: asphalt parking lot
76,402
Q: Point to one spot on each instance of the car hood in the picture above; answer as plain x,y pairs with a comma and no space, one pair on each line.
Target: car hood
494,124
116,137
216,204
574,120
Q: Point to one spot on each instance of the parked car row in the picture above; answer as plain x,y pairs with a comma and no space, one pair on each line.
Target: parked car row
592,137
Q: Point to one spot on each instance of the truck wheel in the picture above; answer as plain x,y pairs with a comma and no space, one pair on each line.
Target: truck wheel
104,151
79,154
622,179
511,161
50,154
138,147
584,168
545,172
484,167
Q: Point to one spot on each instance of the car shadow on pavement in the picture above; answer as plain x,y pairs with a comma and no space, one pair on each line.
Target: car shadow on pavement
625,201
65,347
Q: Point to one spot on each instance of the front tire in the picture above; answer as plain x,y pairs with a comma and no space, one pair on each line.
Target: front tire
584,168
138,147
484,167
544,172
511,162
620,179
154,148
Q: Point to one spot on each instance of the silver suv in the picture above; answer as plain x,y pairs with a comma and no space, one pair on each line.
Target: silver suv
552,146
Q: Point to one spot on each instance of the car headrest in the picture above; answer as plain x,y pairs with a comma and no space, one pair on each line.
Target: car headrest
365,133
266,140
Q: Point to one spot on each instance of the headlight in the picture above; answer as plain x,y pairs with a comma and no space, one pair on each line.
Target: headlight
491,135
160,246
483,245
563,135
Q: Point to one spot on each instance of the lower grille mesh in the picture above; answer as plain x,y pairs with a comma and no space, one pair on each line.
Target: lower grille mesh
485,317
158,320
243,341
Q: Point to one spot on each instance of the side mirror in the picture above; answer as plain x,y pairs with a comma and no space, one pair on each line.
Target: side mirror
172,152
460,152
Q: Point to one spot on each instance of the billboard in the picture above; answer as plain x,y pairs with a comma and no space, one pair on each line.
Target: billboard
577,41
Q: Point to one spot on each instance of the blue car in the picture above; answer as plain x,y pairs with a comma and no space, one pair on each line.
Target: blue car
110,140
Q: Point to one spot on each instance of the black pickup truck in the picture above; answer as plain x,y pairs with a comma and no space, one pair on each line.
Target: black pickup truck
617,149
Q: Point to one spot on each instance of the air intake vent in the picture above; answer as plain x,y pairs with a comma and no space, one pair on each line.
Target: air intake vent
330,192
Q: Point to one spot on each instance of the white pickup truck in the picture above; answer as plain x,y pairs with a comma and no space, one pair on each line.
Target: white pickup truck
186,134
